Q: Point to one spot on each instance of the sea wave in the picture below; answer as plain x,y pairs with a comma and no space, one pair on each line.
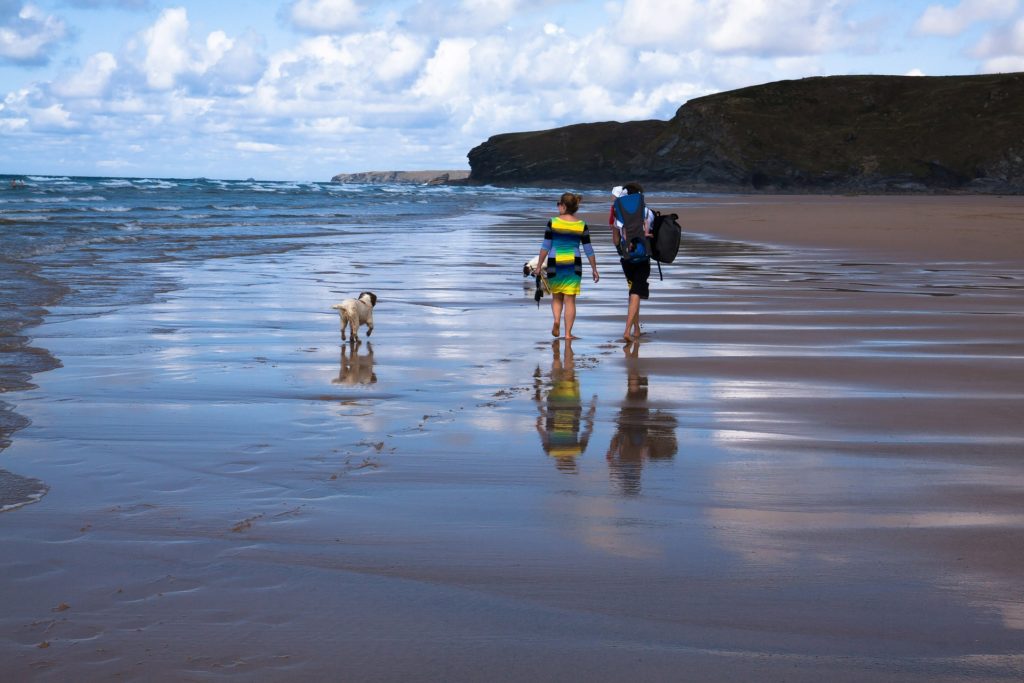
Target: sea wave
22,218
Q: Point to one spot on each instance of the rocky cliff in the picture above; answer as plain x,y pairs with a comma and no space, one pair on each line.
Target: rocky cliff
847,133
402,177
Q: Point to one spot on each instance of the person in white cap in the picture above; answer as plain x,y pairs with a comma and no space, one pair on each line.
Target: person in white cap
636,274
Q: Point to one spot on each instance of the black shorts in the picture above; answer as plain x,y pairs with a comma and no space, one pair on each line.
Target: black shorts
637,275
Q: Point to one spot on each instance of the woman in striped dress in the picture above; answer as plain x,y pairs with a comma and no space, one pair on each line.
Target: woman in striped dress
562,239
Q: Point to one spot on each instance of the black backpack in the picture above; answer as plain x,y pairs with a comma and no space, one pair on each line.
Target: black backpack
666,234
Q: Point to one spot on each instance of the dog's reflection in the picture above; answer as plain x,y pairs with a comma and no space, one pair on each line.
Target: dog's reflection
355,367
563,427
641,434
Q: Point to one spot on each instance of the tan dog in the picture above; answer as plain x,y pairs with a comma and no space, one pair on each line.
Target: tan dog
356,312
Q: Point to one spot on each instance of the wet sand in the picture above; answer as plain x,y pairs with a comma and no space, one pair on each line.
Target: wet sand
808,469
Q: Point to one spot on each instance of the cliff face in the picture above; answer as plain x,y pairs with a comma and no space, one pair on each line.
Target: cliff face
867,133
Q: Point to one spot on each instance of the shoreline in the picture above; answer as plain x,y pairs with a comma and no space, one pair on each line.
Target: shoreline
22,361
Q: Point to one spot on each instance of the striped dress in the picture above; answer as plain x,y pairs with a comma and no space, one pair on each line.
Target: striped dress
562,241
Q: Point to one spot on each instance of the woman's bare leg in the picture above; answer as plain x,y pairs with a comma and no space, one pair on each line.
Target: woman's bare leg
570,315
556,312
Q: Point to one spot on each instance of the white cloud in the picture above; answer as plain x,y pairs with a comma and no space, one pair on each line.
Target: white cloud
167,52
771,28
26,36
233,62
89,81
172,58
115,164
448,72
647,22
447,18
328,126
257,147
366,77
765,28
999,65
125,4
1007,39
940,20
914,72
13,125
324,16
51,117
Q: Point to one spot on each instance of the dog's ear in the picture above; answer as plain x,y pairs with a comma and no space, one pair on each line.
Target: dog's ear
373,298
526,269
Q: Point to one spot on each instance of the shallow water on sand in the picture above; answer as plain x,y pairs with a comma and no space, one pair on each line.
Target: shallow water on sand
809,467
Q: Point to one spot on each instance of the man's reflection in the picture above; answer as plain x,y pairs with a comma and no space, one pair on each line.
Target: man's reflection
355,368
641,434
561,416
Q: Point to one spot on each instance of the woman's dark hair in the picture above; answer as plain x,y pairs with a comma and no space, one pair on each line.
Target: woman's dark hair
570,201
633,188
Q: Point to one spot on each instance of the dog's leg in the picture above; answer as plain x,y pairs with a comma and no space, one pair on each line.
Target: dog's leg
341,316
369,324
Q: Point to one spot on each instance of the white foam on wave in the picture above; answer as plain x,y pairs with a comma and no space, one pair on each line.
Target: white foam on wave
234,207
48,179
117,183
168,208
24,218
48,200
157,182
110,209
93,198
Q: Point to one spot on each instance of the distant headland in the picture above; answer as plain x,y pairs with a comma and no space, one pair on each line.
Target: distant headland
402,177
836,133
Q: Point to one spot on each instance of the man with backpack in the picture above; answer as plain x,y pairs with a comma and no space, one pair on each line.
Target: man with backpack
632,223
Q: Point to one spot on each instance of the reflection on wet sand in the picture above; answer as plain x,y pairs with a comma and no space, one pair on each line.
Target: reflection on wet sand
641,434
561,416
355,368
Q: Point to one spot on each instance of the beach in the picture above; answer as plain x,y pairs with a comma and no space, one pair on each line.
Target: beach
809,468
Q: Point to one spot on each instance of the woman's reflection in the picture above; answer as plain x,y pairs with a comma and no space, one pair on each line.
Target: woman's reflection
561,416
355,368
641,434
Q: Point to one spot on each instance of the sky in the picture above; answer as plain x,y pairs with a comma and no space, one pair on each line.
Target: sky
305,89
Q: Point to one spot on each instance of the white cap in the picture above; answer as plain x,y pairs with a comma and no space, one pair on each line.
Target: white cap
618,191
